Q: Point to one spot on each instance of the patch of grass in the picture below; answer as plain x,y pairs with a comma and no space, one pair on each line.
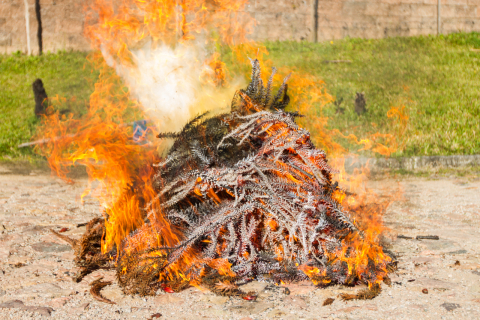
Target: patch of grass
65,74
437,79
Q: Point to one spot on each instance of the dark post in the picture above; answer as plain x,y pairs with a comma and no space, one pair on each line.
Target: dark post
40,97
39,31
360,103
315,15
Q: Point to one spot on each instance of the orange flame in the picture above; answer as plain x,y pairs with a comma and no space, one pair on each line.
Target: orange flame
103,139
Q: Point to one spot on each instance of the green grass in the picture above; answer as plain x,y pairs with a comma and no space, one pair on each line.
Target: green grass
437,79
63,74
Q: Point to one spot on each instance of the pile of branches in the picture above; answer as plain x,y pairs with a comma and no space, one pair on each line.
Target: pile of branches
250,189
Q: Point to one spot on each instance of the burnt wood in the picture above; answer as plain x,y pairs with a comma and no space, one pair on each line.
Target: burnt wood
41,98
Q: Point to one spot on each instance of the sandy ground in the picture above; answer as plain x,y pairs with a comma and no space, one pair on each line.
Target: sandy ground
36,267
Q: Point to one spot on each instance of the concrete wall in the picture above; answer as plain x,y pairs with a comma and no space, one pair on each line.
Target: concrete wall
337,19
62,22
389,18
277,20
283,19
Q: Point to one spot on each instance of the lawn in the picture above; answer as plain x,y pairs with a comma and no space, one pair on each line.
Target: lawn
436,79
65,74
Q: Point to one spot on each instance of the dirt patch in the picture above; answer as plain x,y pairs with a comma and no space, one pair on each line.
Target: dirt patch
41,280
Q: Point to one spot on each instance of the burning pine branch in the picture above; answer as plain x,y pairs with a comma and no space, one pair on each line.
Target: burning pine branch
245,195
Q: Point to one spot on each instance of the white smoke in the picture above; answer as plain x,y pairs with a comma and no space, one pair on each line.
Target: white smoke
168,84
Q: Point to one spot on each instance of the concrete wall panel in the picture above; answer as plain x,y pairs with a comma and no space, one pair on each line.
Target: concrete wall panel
63,20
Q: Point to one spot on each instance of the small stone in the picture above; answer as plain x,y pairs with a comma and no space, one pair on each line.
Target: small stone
50,247
450,306
328,301
425,291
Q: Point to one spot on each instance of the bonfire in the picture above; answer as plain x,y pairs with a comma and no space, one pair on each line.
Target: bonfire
251,198
223,195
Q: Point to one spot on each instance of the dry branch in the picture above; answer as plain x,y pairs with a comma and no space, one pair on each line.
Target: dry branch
364,294
95,288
